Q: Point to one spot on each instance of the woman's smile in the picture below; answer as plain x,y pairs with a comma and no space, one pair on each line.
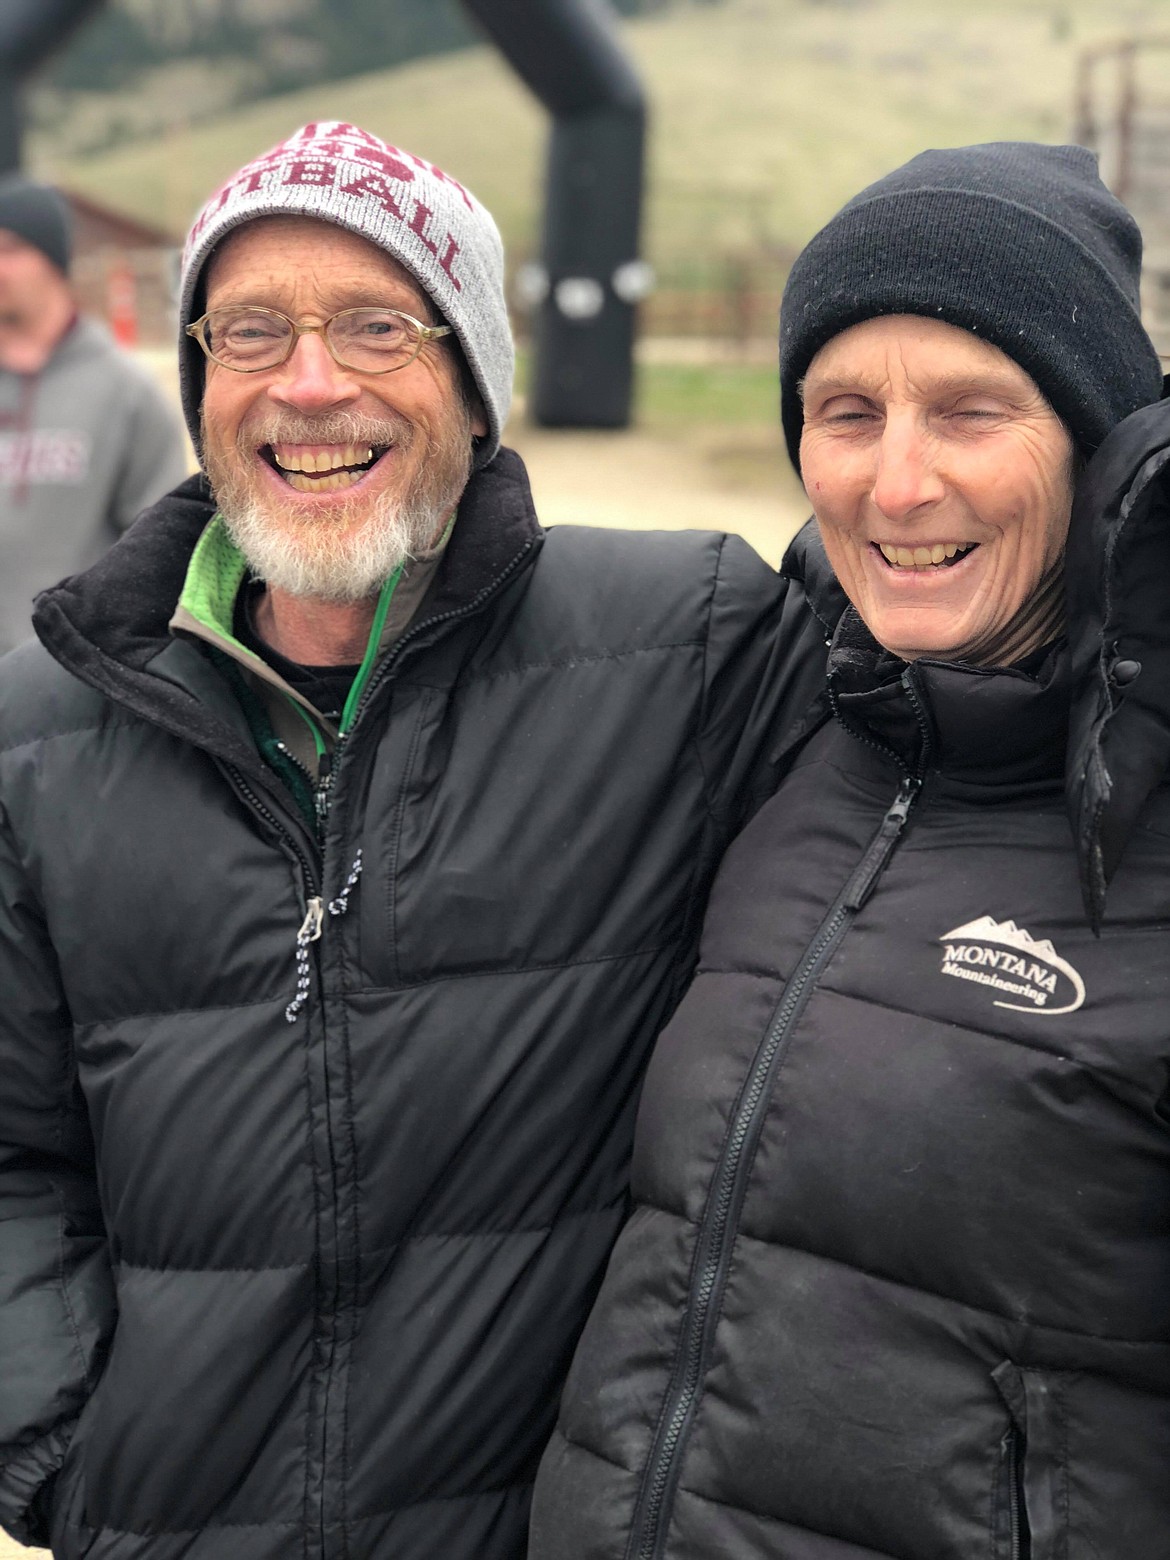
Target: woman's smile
924,556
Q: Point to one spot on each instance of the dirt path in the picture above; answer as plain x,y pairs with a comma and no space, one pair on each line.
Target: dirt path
716,480
13,1551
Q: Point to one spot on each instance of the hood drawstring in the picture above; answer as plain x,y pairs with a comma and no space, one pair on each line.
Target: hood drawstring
310,932
340,905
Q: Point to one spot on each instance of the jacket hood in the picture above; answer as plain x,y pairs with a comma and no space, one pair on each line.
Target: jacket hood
807,562
1118,595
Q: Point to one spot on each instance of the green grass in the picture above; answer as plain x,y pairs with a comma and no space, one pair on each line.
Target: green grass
673,395
766,114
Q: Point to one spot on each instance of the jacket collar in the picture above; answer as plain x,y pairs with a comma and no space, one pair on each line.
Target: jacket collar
109,626
987,732
806,562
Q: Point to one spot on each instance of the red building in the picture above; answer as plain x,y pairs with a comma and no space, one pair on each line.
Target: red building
124,272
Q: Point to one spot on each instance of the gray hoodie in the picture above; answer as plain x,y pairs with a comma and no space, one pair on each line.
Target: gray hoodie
84,446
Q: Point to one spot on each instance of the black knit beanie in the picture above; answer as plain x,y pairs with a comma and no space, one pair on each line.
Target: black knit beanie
38,214
1020,243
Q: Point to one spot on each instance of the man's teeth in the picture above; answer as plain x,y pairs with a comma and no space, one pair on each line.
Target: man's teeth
323,458
330,484
923,557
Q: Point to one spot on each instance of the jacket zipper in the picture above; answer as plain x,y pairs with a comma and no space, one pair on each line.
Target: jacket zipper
310,928
327,767
323,785
1014,1510
720,1220
272,819
1017,1548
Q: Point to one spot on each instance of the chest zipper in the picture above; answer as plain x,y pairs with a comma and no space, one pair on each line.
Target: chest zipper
364,684
720,1220
310,928
274,823
1019,1545
323,786
310,932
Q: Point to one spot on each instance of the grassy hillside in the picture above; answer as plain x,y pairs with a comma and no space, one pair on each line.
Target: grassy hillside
766,113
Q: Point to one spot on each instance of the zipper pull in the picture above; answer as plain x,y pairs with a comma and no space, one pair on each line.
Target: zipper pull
311,926
310,932
902,803
881,847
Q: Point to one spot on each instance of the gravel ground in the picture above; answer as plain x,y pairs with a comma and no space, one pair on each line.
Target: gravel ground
714,480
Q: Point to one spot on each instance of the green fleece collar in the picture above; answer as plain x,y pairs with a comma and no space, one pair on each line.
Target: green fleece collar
207,606
214,575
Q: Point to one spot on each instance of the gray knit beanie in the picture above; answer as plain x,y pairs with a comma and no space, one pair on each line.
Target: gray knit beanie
38,214
1019,243
419,215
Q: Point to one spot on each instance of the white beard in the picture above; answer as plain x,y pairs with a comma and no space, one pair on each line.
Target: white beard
333,561
349,555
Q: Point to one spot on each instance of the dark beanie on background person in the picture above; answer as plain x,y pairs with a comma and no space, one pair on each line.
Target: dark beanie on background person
1020,243
38,214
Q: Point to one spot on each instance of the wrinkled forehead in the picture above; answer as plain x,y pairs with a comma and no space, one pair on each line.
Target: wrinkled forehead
930,355
279,255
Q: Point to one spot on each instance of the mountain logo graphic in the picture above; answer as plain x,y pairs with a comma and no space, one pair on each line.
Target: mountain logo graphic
1002,955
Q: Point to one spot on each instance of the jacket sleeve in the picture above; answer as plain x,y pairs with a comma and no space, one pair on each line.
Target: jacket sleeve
56,1291
764,681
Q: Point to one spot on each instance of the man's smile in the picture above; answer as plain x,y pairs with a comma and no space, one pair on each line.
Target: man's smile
322,468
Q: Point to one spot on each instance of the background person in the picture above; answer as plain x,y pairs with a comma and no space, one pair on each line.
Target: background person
354,838
87,438
895,1283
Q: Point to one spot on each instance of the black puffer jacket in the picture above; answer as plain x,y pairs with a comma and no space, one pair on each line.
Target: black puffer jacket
897,1283
272,1289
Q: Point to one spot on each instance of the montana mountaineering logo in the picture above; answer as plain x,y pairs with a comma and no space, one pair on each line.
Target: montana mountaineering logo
1002,955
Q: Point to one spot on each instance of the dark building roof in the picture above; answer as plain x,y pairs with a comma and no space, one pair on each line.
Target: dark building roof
96,226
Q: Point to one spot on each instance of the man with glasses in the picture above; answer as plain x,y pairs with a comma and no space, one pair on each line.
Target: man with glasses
353,838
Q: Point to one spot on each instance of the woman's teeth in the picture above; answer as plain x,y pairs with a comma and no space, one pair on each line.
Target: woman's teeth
924,557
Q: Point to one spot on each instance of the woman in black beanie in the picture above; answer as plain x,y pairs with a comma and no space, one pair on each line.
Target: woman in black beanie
897,1282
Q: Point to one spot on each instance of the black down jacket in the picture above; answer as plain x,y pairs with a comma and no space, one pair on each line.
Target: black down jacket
897,1282
273,1289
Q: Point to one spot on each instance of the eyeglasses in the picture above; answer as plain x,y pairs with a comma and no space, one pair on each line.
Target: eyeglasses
373,341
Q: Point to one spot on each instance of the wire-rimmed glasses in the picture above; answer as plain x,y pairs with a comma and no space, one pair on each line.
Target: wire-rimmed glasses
249,339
